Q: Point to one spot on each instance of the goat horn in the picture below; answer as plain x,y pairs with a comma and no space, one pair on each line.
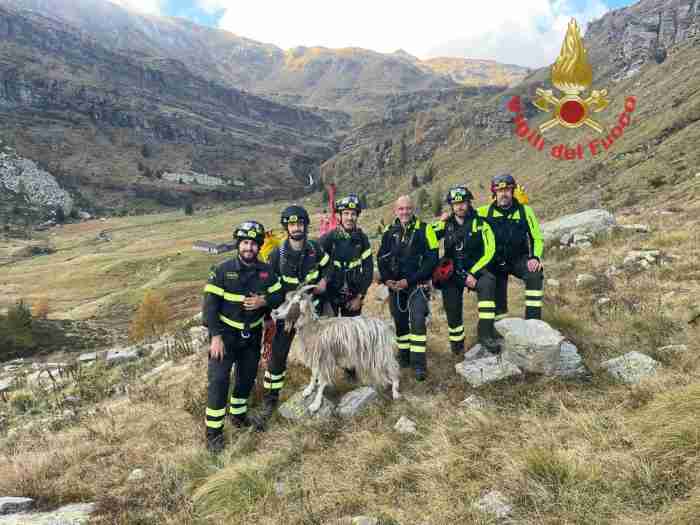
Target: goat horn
306,288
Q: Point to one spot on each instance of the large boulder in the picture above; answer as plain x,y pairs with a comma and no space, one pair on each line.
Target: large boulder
486,370
589,222
531,345
75,514
632,367
356,400
11,504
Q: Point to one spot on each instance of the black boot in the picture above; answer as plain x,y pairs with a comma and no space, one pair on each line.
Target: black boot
485,331
269,404
498,336
457,347
215,440
246,421
404,359
421,374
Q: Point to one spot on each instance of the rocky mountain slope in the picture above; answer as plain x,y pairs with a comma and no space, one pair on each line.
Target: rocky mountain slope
109,124
353,79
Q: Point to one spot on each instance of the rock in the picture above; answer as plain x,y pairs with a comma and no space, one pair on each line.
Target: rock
356,520
567,239
602,301
280,488
632,367
356,400
673,349
136,475
570,362
495,503
71,400
87,357
486,370
405,426
590,222
157,370
10,504
584,245
121,355
476,352
296,407
475,402
531,344
553,283
85,216
612,271
6,385
637,228
580,238
585,279
75,514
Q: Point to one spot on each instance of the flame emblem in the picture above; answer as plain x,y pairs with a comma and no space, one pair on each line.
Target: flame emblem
572,74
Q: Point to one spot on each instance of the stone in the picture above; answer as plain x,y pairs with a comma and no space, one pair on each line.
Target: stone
136,475
581,238
85,216
632,367
637,228
584,245
585,279
567,239
6,385
476,352
612,271
11,504
590,222
87,357
570,362
495,503
356,400
280,489
553,283
673,349
531,345
71,400
296,407
486,370
602,301
121,355
638,256
405,426
474,402
75,514
157,370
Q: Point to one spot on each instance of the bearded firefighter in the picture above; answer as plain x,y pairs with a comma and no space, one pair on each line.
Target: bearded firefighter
519,246
469,246
238,293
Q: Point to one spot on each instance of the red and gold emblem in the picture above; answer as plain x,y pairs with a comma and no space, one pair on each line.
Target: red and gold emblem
572,75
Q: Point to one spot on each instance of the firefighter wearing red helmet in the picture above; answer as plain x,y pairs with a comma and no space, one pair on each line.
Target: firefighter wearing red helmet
469,246
238,293
519,246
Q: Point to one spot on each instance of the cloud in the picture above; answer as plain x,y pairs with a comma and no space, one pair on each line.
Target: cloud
514,31
153,7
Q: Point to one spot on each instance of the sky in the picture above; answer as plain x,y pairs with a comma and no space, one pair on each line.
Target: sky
524,32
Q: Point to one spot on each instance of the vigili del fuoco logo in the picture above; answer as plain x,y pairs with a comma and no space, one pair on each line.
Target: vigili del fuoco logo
572,75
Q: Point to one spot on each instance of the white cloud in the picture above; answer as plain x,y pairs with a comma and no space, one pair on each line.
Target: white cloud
153,7
528,32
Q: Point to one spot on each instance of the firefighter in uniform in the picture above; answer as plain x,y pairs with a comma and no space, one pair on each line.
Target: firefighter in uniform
406,259
470,246
519,247
238,293
352,266
297,261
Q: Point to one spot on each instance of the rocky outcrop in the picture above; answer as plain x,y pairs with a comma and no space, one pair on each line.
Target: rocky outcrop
22,176
588,223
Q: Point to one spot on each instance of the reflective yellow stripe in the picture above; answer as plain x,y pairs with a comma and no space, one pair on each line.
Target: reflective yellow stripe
418,349
431,239
487,315
216,413
290,280
215,424
438,226
403,346
275,287
354,263
456,329
274,377
277,385
366,253
238,400
418,338
489,244
240,326
457,337
312,276
487,304
214,289
238,410
337,263
533,303
324,260
534,293
234,297
402,337
501,316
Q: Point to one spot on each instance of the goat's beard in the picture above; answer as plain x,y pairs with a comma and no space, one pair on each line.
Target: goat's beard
291,318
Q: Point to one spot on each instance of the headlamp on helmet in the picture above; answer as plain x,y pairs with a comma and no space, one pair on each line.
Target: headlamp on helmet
459,194
500,182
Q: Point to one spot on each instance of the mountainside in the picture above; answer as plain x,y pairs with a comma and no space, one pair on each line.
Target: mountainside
353,80
109,124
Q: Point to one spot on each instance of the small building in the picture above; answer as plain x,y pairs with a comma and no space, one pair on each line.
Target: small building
212,247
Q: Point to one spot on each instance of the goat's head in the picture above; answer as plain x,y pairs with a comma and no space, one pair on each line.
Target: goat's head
297,309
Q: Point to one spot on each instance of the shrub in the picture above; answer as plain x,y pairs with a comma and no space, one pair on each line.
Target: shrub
150,319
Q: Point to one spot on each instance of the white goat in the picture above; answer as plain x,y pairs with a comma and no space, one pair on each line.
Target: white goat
363,343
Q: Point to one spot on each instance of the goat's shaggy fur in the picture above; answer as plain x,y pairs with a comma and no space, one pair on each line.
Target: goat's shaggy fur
363,343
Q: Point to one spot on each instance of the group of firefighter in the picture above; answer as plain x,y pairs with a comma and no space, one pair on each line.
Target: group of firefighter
482,247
